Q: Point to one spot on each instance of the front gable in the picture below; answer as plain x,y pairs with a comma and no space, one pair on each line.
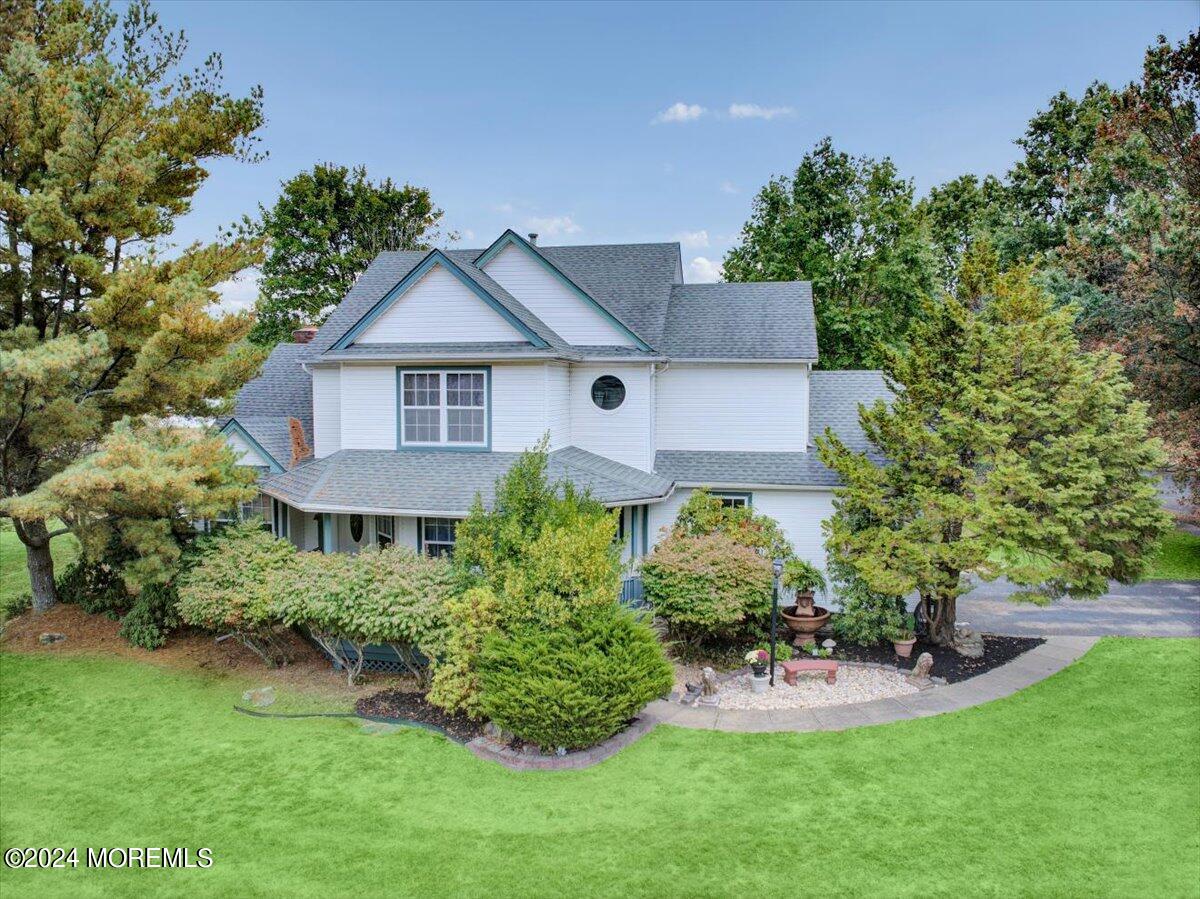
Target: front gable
248,450
553,297
437,302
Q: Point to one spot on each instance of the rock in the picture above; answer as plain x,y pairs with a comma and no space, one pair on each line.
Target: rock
495,732
919,676
968,643
260,698
48,639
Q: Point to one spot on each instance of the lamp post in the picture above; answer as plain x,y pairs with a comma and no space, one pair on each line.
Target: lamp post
777,567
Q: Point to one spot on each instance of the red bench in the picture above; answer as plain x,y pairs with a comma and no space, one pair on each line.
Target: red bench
793,668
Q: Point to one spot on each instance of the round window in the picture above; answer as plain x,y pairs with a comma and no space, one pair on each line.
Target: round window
608,392
356,527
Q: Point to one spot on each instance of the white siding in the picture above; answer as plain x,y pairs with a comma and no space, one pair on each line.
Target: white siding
799,513
558,404
327,411
624,434
247,454
406,531
439,309
302,529
518,406
568,314
368,407
732,407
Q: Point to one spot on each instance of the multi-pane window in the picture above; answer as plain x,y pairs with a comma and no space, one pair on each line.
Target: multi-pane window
385,533
733,500
444,408
437,536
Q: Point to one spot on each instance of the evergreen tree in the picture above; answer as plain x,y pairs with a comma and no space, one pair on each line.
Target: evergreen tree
1010,452
103,144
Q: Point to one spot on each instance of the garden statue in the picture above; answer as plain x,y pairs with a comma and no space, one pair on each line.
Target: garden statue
708,691
968,642
919,676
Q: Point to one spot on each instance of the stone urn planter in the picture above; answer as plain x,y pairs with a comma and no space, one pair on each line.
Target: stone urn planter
804,620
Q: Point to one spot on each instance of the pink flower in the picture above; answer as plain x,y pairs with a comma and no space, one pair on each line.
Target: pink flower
764,656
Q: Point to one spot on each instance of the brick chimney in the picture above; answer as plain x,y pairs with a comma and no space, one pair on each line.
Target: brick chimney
304,335
300,448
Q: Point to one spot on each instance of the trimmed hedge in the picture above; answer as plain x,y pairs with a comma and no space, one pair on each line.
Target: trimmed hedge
575,685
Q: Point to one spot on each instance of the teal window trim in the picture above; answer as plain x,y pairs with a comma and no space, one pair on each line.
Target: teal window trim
233,427
511,237
436,257
485,447
735,494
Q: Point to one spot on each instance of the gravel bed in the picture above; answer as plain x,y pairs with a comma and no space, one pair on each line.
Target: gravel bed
854,684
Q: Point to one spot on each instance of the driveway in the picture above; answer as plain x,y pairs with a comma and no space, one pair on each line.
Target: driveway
1148,609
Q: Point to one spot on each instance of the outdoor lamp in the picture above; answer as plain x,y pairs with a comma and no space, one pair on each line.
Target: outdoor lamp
777,567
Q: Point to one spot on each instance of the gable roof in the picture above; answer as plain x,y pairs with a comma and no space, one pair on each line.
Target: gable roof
765,320
511,238
269,435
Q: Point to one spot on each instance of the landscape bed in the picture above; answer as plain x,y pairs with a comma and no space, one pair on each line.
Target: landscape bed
947,663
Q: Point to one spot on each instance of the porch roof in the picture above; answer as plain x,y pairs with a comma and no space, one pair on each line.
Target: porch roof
385,482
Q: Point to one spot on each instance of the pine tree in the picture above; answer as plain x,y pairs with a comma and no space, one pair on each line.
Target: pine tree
1010,452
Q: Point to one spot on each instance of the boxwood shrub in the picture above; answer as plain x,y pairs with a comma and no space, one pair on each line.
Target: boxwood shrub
574,685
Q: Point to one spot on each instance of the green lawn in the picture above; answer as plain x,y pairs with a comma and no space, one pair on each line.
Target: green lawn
1178,560
1087,783
14,576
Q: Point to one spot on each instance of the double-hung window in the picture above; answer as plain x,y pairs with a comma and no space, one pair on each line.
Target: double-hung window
437,536
385,533
444,408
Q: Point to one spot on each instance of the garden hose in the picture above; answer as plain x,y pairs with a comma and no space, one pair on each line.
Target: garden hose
378,719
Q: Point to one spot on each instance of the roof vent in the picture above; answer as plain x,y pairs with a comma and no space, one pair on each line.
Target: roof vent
533,238
304,335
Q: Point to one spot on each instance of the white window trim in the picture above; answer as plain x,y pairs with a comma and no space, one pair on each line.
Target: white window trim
426,543
443,409
389,531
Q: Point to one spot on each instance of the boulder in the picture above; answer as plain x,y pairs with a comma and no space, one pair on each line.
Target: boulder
48,639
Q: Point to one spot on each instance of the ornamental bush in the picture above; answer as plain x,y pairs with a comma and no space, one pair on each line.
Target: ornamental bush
703,514
153,615
708,586
574,685
229,585
395,597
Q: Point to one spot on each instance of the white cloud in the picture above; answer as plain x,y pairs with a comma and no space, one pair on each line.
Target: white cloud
503,208
727,187
693,240
238,294
553,226
754,111
679,112
703,271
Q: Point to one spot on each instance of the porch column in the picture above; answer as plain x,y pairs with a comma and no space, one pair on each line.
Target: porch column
328,534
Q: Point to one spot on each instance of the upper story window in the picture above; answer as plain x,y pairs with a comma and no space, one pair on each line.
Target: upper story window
608,392
733,500
444,408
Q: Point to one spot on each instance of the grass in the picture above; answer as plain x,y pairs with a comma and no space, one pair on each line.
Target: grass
1086,783
1178,560
14,576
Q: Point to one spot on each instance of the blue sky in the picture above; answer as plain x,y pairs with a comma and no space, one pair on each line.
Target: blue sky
642,122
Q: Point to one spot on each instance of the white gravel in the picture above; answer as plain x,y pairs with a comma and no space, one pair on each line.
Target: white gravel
853,685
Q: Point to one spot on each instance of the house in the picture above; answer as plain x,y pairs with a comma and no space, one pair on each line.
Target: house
438,368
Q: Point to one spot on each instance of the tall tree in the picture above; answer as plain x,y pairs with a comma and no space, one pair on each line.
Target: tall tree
1011,452
956,215
848,225
104,141
323,231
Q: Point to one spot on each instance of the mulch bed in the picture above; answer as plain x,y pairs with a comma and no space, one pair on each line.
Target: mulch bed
413,707
946,662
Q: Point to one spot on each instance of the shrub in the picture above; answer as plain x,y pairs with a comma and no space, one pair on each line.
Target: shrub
709,586
801,576
867,616
153,615
229,585
394,596
703,514
471,617
95,587
576,685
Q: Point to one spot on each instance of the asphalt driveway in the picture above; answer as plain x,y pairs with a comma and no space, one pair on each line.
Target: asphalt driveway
1148,609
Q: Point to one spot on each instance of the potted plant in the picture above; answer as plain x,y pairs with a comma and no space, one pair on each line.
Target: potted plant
805,579
759,659
903,636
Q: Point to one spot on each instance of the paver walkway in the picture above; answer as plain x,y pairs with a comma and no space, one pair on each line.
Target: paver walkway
1037,664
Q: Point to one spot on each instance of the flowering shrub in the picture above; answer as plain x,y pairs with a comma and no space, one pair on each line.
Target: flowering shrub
708,586
703,514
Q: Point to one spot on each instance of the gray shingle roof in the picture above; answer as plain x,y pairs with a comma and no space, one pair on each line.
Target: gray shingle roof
767,320
272,433
390,482
282,390
834,398
640,285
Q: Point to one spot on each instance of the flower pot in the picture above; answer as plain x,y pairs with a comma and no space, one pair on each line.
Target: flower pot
759,683
759,669
904,647
804,625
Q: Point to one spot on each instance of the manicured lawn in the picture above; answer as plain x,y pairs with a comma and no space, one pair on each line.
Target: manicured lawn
1179,558
1088,783
14,576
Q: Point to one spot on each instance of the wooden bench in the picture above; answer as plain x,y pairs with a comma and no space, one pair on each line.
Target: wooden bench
793,668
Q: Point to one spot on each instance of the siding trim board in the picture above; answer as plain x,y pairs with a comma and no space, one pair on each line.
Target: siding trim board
511,238
435,257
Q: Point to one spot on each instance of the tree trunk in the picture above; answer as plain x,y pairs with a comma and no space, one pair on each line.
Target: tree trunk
39,561
939,617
